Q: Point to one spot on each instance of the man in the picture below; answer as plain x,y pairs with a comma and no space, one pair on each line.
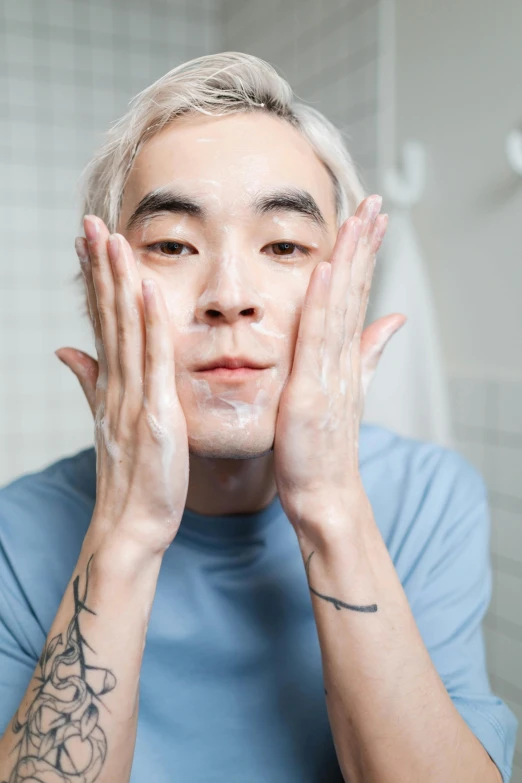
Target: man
318,586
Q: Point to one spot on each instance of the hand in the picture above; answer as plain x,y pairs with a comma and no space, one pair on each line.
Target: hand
140,432
317,427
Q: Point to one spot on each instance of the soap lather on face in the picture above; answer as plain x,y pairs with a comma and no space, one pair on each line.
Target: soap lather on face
233,258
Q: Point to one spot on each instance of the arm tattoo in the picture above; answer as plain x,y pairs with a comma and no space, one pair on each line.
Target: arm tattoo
335,601
61,740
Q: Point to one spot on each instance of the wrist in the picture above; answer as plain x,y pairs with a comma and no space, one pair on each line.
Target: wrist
337,517
116,553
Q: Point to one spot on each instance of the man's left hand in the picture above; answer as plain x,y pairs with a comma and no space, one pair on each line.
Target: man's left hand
317,427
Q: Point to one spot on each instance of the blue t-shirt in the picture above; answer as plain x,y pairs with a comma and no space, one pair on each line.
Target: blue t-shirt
231,685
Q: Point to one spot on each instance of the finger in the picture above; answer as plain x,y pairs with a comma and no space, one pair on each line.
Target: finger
360,212
362,271
97,236
379,231
86,370
340,282
129,315
159,385
308,354
85,264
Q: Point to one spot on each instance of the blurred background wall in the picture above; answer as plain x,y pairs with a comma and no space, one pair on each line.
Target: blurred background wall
68,68
458,91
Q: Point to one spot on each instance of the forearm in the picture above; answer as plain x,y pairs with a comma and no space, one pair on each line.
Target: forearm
392,719
82,702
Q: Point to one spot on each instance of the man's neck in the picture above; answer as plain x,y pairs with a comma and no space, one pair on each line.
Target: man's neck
219,487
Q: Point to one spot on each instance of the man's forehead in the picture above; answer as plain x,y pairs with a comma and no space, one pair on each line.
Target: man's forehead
231,166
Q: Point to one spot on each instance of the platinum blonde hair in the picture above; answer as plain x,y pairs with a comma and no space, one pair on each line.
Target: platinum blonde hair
215,84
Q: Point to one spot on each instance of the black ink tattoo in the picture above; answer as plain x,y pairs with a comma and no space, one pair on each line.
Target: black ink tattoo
61,738
335,601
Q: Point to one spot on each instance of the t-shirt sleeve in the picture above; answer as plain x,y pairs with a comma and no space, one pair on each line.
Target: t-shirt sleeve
454,597
18,629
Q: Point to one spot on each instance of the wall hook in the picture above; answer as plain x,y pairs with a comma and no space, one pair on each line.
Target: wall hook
404,188
514,150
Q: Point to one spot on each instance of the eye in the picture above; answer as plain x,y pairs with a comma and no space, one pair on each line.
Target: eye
170,248
287,248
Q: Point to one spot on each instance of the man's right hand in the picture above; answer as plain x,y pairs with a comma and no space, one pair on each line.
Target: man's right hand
142,461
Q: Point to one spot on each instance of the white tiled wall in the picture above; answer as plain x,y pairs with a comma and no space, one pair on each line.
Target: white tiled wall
67,70
488,428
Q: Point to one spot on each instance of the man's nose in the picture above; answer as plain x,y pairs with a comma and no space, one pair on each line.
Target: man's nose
230,295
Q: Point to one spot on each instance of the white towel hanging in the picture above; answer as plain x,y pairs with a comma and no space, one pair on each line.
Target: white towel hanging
408,393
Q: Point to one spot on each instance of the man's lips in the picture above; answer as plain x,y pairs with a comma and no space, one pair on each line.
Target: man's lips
227,374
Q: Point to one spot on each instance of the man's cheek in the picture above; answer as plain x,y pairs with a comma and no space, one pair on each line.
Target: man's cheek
283,312
180,308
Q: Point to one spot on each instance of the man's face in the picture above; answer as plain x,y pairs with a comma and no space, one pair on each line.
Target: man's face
231,237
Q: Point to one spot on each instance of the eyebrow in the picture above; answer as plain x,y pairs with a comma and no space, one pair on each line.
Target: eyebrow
167,199
290,200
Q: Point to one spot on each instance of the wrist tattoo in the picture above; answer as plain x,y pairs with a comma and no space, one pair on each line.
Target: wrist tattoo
336,601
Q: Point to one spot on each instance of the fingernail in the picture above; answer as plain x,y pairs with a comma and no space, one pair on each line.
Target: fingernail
374,207
90,225
147,287
114,246
356,229
80,245
325,273
383,224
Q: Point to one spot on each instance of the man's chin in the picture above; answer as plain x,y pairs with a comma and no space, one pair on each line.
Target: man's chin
230,446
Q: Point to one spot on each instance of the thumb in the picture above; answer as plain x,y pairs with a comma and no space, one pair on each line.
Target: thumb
373,342
86,370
